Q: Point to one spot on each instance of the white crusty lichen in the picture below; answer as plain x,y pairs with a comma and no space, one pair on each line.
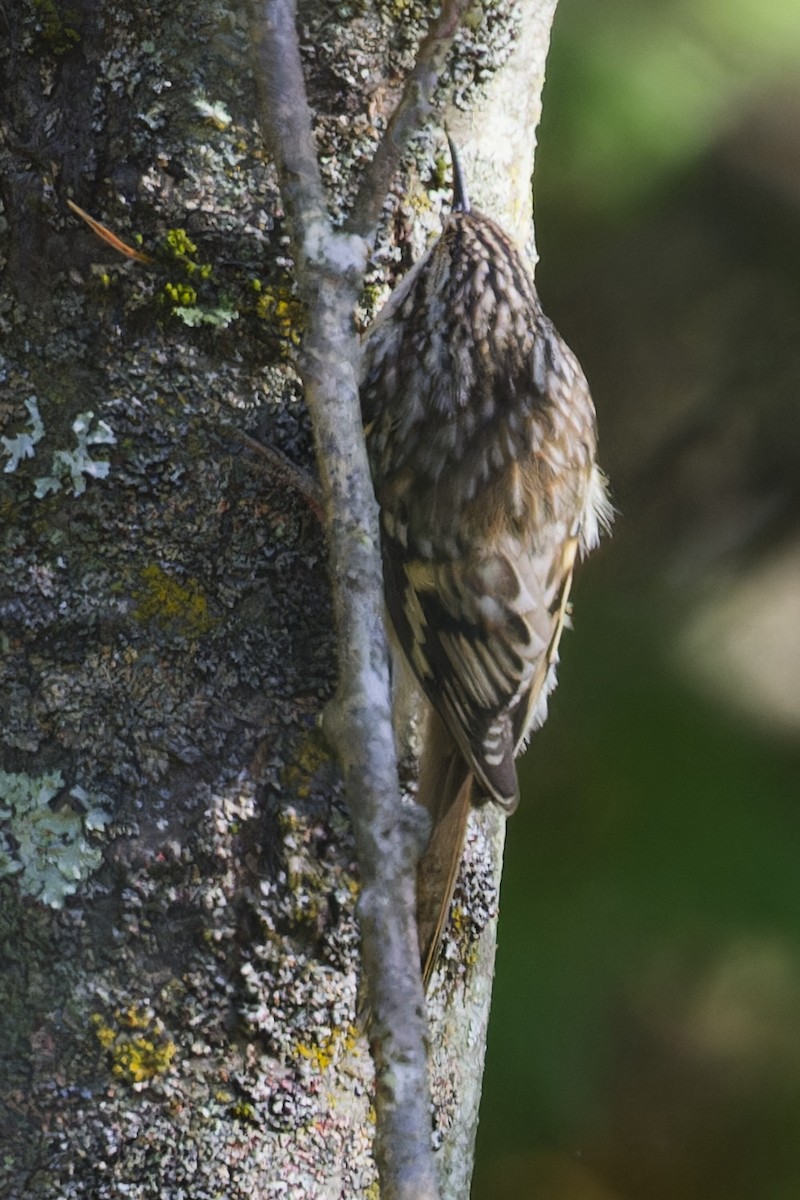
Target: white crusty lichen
73,464
67,465
47,848
23,445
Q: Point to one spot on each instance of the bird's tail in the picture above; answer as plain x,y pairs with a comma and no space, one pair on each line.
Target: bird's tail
445,785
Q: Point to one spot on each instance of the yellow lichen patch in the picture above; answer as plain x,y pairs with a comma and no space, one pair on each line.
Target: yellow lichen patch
135,1018
59,25
420,201
471,957
464,932
141,1058
309,757
159,597
137,1044
243,1110
441,168
457,919
104,1033
179,241
182,248
283,311
328,1049
180,294
373,294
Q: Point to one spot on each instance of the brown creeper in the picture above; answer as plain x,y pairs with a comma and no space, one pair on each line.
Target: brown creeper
481,436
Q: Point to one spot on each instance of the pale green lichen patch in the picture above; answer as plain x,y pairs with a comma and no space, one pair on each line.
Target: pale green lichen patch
68,464
72,464
219,317
24,444
48,849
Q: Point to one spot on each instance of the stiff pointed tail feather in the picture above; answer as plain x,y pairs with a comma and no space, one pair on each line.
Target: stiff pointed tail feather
445,786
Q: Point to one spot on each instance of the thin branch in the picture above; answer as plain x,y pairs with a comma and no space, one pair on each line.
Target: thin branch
285,114
413,109
279,467
330,271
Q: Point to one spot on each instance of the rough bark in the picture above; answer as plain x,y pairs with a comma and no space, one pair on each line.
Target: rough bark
178,869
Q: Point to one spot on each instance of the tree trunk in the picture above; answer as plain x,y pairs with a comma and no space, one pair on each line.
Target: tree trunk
177,871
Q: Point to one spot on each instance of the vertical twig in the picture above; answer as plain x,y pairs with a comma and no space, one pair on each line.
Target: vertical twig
407,119
330,270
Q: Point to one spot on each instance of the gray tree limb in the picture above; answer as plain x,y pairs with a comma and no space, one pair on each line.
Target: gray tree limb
330,272
413,109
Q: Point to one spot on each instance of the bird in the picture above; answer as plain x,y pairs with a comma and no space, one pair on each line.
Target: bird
482,441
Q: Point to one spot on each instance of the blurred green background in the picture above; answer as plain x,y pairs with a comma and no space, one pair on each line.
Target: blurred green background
645,1038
